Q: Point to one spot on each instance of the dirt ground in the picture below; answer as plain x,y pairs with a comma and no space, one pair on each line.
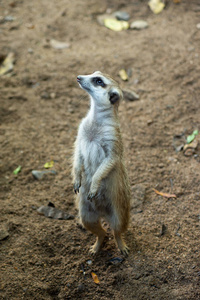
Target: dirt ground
41,107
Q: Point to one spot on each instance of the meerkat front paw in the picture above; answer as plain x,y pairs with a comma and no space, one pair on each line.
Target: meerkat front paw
91,196
77,186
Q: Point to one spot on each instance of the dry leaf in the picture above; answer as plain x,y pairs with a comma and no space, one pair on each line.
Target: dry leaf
7,64
156,6
164,194
116,25
30,26
123,75
189,149
95,278
49,164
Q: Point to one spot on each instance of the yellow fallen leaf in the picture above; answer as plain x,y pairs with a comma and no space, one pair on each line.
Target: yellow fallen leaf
164,194
123,75
116,25
156,6
7,64
95,278
49,164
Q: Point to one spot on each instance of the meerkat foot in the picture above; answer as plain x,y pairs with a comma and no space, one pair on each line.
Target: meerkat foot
121,244
125,250
97,245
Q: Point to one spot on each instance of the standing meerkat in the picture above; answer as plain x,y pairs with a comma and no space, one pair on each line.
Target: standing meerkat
99,172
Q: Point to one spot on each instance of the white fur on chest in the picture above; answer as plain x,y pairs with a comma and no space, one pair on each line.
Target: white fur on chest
95,144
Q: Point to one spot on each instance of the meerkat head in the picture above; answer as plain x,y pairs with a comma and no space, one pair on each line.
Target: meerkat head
102,88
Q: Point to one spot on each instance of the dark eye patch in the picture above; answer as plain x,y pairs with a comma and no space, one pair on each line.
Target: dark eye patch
97,81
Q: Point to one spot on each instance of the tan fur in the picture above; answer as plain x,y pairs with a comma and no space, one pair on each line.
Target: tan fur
99,172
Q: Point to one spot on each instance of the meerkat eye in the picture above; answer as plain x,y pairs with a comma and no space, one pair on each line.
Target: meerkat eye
98,81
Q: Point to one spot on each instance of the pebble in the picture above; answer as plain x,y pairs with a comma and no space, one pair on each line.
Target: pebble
121,15
198,26
139,24
39,174
130,95
30,50
9,19
54,213
53,95
59,45
89,262
115,260
3,234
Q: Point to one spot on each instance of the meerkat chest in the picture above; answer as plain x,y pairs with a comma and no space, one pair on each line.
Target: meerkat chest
95,144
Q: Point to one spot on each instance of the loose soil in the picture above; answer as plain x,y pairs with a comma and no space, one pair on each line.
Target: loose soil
41,107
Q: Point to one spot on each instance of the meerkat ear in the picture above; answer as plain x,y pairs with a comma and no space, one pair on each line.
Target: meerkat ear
113,97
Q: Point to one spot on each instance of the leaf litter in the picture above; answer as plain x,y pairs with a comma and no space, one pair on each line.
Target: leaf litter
156,6
8,64
166,195
95,277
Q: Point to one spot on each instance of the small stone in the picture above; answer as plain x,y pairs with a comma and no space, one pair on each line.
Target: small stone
149,122
89,262
3,234
53,95
198,26
54,213
9,19
130,95
121,15
139,24
161,165
39,174
59,45
30,50
115,260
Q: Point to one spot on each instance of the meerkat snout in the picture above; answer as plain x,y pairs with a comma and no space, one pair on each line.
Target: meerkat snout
99,172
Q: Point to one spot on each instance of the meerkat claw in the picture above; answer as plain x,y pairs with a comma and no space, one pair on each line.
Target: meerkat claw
91,196
125,251
76,188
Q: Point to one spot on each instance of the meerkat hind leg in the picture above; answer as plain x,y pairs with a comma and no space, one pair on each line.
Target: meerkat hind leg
97,229
121,243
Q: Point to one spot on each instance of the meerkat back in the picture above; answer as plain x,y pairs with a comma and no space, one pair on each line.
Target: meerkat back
99,173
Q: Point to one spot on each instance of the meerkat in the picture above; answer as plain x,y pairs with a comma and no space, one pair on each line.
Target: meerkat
99,172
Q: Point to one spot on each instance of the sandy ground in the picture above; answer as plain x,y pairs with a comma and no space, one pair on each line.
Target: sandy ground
41,107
